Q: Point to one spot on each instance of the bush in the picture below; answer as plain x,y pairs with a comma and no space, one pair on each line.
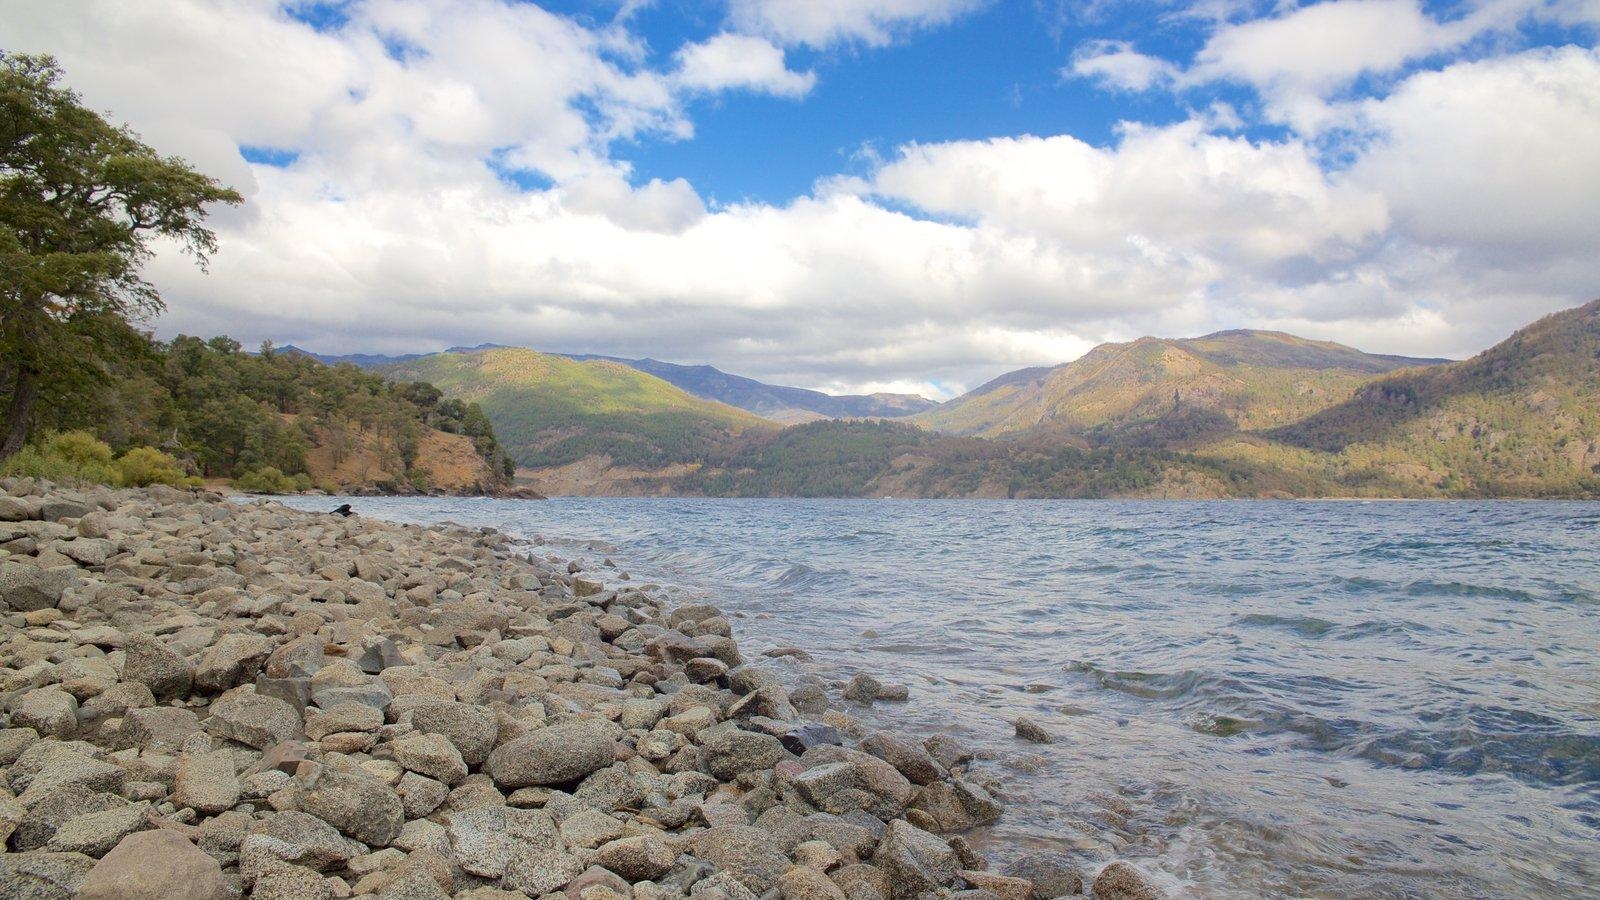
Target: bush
144,466
266,480
66,457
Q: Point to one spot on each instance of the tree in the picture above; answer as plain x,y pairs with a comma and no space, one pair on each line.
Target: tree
80,201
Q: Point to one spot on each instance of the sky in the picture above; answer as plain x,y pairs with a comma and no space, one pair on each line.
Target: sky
860,195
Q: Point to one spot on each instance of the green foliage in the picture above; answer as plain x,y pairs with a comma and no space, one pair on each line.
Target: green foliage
818,459
69,456
80,199
265,480
144,466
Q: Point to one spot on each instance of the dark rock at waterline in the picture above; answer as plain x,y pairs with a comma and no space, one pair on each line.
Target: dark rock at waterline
1029,730
1120,881
1053,874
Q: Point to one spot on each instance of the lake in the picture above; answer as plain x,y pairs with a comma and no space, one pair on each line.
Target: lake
1248,698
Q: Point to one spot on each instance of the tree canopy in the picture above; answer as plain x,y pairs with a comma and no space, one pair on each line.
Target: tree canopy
81,200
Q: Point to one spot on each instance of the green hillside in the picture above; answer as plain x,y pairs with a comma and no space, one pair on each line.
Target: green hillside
549,410
1154,390
1520,419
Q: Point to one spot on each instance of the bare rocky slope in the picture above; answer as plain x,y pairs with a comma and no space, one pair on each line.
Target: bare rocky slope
209,700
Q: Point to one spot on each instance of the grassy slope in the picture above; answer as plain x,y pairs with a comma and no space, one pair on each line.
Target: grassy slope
548,410
1522,418
1244,380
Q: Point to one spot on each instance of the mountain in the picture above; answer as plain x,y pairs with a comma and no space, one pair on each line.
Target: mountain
789,405
1520,419
1156,390
551,411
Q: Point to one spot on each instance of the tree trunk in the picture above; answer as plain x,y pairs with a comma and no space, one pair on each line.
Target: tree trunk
24,391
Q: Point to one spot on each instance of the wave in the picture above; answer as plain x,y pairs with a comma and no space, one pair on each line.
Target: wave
1305,626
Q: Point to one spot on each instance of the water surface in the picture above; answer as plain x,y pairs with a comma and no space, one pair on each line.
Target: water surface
1320,698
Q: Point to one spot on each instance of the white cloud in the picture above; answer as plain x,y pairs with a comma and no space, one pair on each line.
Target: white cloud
737,61
819,23
1465,210
1302,57
1115,64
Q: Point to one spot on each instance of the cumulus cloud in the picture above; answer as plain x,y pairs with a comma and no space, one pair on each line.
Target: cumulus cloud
738,61
819,23
456,172
1115,64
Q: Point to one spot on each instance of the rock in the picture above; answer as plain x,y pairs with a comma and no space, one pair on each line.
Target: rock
54,509
290,883
472,729
293,837
61,766
803,883
94,834
856,781
915,860
747,853
207,783
49,711
413,885
421,795
552,755
958,804
1120,881
863,689
1053,874
344,717
43,876
732,752
641,858
26,588
908,757
252,719
233,660
536,869
157,667
947,751
155,865
812,734
1029,730
159,729
1001,886
486,838
13,509
705,669
299,658
360,807
432,755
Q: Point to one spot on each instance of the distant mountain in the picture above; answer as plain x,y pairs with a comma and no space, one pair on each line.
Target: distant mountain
1154,389
789,405
785,405
1519,419
552,411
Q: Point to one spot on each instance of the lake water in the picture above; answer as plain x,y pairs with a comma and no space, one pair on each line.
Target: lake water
1332,699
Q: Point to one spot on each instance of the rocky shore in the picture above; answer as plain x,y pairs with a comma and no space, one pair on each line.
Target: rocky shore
212,699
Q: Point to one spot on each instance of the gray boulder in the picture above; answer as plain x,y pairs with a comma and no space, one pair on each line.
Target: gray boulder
360,807
747,853
233,660
733,751
157,667
42,876
472,729
554,755
915,860
27,588
154,865
252,719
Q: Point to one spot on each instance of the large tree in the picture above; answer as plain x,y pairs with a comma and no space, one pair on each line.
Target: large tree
80,202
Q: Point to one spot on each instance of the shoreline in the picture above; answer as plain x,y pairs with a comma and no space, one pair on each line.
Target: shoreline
318,706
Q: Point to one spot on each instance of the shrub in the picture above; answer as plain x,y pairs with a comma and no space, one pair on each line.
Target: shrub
66,457
143,466
265,480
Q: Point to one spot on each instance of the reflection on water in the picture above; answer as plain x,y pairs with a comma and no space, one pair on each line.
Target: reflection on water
1387,699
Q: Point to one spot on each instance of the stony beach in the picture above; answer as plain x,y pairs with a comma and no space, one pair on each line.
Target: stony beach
211,699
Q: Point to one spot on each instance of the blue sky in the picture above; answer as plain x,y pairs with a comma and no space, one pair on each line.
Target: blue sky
861,194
